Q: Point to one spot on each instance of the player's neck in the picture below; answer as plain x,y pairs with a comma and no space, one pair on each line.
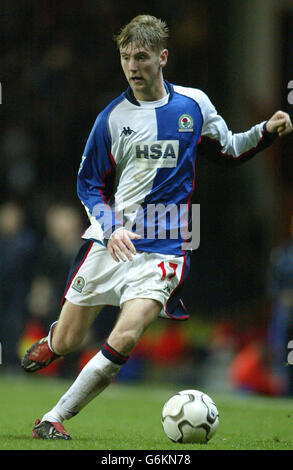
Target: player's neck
155,93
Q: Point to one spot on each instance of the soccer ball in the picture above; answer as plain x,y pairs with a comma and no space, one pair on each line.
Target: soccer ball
190,416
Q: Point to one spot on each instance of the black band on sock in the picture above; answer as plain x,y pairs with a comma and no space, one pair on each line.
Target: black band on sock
113,355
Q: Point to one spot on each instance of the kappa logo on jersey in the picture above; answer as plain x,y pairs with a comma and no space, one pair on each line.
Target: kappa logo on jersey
127,131
185,123
160,154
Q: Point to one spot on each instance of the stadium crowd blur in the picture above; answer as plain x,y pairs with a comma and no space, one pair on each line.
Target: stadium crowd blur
59,68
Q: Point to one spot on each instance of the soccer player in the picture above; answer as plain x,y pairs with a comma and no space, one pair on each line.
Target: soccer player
140,154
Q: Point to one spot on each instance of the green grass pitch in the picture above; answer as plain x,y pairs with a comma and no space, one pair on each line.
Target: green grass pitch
128,417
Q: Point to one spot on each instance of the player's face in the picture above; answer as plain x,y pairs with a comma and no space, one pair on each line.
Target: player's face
143,70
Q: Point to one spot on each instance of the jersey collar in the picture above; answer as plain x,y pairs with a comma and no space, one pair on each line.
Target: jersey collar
130,96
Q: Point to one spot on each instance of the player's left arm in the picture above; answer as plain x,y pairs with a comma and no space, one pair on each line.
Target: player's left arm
221,145
279,123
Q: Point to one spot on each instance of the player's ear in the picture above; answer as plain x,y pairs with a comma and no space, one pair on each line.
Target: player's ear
163,57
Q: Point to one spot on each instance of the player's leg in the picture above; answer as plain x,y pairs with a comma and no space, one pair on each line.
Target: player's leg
74,321
136,315
72,326
65,336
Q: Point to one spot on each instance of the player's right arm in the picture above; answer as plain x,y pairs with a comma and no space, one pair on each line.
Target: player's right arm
95,183
120,245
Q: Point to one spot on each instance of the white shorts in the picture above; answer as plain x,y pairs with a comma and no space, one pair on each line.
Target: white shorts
96,279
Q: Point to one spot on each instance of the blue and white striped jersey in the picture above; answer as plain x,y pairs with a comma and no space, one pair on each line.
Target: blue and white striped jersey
141,154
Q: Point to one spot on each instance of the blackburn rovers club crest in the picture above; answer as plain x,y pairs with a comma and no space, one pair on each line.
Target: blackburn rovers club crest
78,284
185,123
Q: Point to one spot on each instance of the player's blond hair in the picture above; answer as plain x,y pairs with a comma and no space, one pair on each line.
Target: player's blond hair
145,31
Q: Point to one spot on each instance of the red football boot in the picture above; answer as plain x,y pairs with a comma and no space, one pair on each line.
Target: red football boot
39,355
48,430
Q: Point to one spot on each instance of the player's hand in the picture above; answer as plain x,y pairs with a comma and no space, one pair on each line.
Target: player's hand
120,245
279,123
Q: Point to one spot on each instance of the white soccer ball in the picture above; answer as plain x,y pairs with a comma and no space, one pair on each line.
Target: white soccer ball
190,416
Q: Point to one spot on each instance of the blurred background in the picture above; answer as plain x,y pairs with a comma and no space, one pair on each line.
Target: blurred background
59,69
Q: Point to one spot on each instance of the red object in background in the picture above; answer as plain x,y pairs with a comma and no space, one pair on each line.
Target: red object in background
169,347
248,371
166,348
34,331
85,357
